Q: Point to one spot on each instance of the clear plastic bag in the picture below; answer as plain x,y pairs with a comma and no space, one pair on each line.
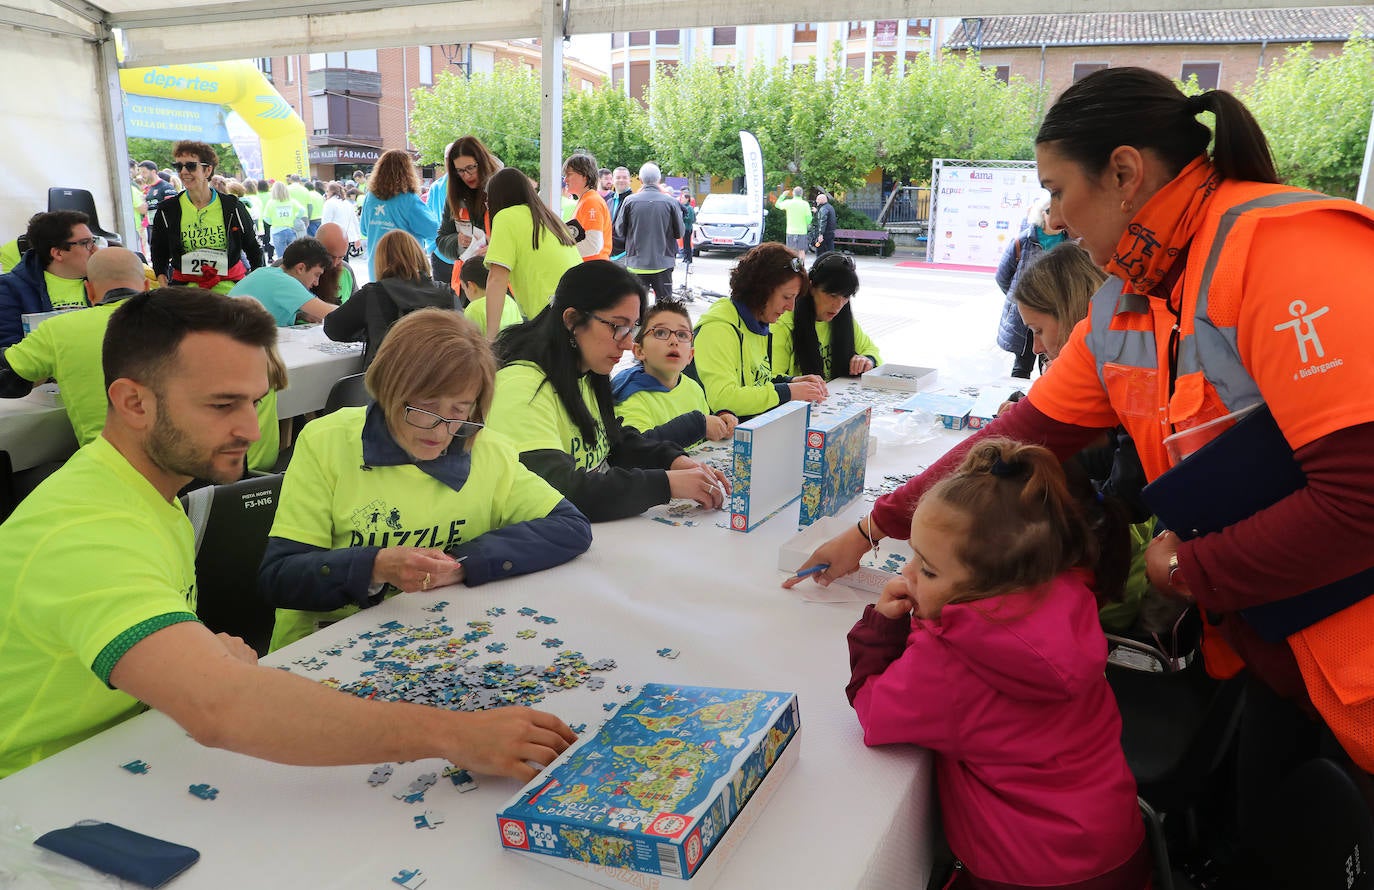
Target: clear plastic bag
26,867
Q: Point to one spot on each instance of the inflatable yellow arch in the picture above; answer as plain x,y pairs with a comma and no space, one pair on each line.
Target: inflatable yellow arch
242,87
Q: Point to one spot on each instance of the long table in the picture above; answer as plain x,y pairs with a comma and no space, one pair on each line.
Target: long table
845,816
35,429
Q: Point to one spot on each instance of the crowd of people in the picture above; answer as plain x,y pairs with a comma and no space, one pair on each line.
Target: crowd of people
1154,283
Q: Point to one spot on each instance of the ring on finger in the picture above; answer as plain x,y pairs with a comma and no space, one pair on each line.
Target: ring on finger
424,582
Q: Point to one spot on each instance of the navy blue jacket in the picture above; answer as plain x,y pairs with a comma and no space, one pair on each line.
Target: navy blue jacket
21,291
299,576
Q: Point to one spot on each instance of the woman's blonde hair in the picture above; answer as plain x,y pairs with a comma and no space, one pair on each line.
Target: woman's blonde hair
393,175
1060,284
399,255
279,192
428,354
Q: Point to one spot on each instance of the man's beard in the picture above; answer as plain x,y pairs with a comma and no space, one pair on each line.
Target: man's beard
171,449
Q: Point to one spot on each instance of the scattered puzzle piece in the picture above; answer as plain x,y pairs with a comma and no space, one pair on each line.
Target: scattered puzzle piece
623,688
410,878
552,643
137,767
527,611
423,781
437,607
496,611
668,653
380,775
429,819
204,791
546,619
578,728
527,634
463,781
497,648
609,706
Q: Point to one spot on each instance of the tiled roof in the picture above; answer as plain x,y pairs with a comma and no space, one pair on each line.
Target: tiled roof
1333,23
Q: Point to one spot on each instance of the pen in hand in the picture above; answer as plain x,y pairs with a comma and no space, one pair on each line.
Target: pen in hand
814,570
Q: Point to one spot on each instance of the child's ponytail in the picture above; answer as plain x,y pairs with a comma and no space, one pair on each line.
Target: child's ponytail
1025,527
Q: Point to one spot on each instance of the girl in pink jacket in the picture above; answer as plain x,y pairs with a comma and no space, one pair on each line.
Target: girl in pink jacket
988,651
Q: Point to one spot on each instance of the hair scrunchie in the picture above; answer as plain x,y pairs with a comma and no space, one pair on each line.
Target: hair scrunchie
1003,469
1195,105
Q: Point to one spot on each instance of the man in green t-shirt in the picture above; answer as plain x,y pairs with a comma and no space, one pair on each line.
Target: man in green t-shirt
51,273
98,587
67,348
798,220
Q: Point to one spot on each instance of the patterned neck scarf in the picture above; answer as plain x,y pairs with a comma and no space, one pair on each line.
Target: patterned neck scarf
1163,228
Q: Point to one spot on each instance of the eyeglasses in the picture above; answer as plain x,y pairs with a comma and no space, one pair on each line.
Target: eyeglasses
618,331
179,166
428,420
798,265
464,171
85,243
834,259
671,334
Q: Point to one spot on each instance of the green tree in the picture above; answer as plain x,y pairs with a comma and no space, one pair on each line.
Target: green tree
1315,113
949,108
807,127
694,120
610,125
500,108
159,151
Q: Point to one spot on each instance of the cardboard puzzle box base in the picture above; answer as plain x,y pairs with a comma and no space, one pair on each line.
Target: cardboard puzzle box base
655,788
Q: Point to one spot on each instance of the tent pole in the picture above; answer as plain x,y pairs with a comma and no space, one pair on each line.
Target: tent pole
117,157
551,109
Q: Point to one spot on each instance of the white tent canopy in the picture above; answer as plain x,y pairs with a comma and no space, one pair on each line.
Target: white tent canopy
66,128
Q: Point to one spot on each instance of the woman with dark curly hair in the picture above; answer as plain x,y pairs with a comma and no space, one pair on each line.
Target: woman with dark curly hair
734,343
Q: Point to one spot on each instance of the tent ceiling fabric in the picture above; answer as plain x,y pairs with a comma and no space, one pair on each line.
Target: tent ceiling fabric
158,32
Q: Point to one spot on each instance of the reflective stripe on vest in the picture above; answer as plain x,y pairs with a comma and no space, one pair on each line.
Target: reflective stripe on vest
1222,368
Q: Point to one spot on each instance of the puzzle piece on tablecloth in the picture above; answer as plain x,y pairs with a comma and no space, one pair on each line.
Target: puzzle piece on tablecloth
463,781
437,607
497,648
380,775
423,781
546,619
595,683
496,611
410,878
578,728
429,819
137,767
311,664
603,664
668,653
552,643
609,706
204,791
527,611
410,796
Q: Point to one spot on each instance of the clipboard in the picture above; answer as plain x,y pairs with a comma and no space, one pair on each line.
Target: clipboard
1244,470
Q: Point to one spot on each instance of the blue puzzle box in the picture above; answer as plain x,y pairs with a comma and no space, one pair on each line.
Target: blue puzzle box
656,787
951,409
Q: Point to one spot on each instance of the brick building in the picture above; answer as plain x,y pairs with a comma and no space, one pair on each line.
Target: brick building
1224,49
357,104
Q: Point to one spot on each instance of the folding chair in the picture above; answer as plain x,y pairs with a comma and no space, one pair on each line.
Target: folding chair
347,392
82,200
231,525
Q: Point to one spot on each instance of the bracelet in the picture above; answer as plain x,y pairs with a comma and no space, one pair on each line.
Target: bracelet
868,535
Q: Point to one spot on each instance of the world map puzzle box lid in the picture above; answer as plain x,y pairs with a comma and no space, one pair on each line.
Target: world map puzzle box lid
658,784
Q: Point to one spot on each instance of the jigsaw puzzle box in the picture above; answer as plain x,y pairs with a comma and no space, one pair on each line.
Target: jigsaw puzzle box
656,787
768,464
834,463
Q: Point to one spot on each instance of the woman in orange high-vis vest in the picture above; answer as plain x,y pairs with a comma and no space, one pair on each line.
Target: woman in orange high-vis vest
1207,314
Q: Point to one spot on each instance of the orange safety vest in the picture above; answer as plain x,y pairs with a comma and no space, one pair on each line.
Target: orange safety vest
1129,337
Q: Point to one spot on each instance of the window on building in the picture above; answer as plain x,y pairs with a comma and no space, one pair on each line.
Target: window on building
1083,69
639,38
483,61
338,116
315,62
858,30
426,65
290,69
617,39
265,66
723,36
918,27
1001,72
666,38
360,60
1208,73
804,32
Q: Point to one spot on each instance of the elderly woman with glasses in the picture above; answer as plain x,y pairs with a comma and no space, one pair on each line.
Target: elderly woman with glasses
554,401
821,337
733,358
409,494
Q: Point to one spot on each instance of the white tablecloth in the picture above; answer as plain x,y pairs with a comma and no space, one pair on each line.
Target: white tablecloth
846,815
35,429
